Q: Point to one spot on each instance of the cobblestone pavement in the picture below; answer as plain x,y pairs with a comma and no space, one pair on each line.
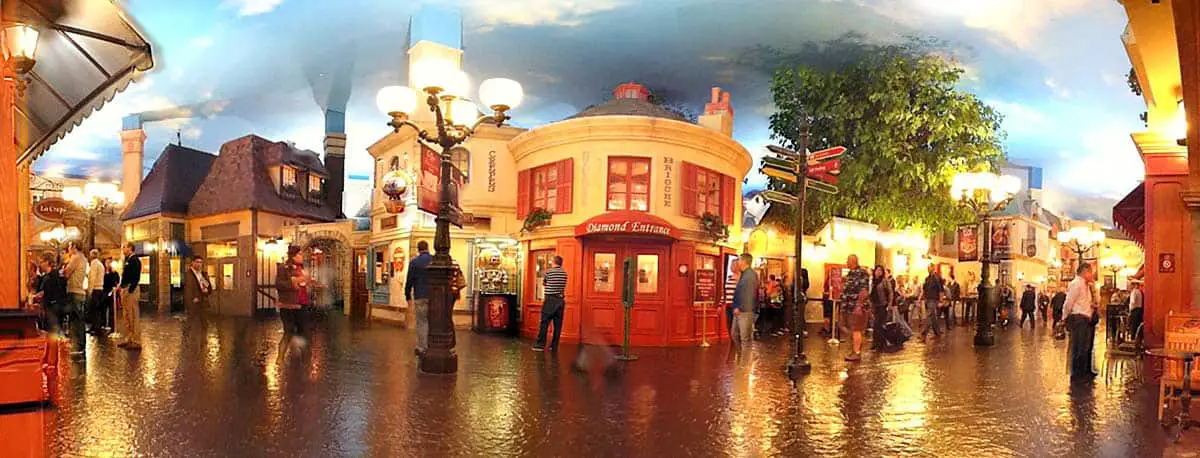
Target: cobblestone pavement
221,390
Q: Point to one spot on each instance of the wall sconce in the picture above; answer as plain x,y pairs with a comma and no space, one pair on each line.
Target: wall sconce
20,47
683,270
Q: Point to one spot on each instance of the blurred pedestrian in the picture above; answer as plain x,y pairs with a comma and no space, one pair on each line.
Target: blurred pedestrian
111,280
128,297
1135,307
1028,307
1082,316
745,303
554,282
51,292
1044,304
292,287
855,290
882,302
954,294
196,289
416,292
95,303
75,271
931,294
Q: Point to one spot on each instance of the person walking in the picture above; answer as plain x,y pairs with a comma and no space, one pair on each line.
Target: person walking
555,282
291,284
1007,299
931,294
111,280
1028,307
954,293
1043,305
416,292
745,302
1056,307
95,304
855,290
1135,307
1082,316
882,302
75,271
196,289
129,295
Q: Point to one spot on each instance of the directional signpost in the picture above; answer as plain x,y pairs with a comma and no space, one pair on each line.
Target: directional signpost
817,171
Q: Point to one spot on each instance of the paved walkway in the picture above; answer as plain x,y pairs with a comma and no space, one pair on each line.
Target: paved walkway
222,391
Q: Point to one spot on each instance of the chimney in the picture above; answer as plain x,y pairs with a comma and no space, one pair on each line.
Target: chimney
133,152
631,90
718,113
335,163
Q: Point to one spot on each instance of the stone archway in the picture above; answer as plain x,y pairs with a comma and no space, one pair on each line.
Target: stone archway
331,250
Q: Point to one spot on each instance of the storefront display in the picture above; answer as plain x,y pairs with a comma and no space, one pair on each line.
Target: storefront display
495,272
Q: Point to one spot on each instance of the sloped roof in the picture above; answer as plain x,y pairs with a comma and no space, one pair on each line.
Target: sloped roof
171,183
628,107
239,180
304,159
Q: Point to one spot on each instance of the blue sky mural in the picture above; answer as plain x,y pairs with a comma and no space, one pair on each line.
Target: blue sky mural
1055,68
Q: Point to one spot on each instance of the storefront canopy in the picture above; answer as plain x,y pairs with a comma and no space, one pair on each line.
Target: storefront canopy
87,52
1130,214
627,223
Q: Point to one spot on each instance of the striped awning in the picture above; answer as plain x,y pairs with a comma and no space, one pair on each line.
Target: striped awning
87,52
1130,214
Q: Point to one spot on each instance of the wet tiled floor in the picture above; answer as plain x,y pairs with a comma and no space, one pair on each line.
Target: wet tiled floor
221,390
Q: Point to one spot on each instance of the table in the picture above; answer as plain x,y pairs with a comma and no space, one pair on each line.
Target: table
1183,420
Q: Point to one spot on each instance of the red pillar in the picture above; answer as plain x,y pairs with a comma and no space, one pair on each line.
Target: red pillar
10,265
1168,233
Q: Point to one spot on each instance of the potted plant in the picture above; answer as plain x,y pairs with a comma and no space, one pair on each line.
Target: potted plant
537,218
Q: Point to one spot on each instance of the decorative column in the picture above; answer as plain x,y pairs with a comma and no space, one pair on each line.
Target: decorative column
10,205
1187,32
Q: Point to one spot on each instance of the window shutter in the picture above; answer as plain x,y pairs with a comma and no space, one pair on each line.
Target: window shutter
728,198
523,198
566,182
688,195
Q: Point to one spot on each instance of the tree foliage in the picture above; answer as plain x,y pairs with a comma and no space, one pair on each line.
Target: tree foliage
907,128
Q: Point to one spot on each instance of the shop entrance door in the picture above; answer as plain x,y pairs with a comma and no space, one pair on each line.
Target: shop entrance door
602,316
221,273
358,286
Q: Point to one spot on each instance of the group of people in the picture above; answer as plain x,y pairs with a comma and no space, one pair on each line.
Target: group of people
78,296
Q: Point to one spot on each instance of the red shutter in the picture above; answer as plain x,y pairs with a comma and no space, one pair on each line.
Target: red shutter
523,199
688,195
566,183
728,198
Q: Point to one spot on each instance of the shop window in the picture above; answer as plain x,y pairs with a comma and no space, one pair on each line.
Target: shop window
647,274
176,272
707,191
145,279
604,280
547,187
629,183
380,274
287,182
541,262
220,250
227,276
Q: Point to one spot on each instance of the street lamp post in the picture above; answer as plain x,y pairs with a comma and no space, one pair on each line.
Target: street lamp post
444,85
984,193
1081,239
94,199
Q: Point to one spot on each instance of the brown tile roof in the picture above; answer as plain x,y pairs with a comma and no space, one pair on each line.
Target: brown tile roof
171,183
628,107
239,181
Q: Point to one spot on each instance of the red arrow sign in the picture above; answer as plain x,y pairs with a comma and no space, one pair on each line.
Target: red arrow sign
832,167
830,153
825,177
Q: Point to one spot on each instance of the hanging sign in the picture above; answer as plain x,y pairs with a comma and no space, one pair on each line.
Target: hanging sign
51,209
1001,242
968,243
428,196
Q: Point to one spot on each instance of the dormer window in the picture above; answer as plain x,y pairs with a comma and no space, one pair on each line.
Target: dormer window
287,182
316,188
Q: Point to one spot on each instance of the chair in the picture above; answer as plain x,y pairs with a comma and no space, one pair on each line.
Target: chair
1182,334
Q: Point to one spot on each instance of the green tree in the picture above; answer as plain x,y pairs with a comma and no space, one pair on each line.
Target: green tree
907,128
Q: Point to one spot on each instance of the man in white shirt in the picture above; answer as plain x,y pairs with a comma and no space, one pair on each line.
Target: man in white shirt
95,280
1082,315
1135,306
76,273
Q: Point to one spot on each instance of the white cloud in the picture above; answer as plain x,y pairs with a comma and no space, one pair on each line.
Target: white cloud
1106,164
253,7
202,42
1019,117
566,13
1019,22
1057,88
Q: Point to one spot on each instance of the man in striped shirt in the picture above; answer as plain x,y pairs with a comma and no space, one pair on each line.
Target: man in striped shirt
554,281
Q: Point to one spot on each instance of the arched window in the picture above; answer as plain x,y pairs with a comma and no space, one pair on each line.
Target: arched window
461,158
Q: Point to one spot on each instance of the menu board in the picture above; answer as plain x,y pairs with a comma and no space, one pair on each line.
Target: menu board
706,285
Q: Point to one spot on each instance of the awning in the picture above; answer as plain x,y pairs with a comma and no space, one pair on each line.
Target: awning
1130,214
627,223
87,52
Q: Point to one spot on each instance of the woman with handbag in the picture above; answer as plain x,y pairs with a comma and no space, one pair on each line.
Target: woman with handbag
882,301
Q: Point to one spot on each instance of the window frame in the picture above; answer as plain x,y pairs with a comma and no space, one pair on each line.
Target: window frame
547,186
315,195
710,201
289,189
630,161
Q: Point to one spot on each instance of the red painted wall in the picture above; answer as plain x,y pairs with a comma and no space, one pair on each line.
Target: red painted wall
1168,230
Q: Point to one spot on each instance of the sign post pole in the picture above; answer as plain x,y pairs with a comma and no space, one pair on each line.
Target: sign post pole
629,274
798,363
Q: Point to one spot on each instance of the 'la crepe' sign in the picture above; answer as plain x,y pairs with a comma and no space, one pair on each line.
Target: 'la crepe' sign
627,223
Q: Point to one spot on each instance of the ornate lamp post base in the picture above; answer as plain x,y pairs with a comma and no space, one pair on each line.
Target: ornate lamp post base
440,357
985,311
798,365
